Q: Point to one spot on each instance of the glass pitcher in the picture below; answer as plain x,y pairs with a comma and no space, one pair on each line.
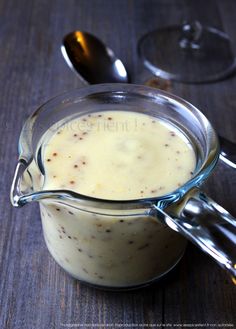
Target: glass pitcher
129,243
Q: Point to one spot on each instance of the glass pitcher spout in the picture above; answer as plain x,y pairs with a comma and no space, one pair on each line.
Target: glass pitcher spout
207,224
16,191
26,186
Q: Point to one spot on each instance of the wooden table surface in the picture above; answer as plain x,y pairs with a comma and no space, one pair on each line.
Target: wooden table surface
34,292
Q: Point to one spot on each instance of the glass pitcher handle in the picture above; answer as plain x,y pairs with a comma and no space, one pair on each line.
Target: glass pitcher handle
205,223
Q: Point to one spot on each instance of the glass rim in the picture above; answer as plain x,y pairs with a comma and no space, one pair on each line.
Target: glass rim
27,154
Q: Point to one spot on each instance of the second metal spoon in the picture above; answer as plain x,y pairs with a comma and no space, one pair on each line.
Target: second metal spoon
93,61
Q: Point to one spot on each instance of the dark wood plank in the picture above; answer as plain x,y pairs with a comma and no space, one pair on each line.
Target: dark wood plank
34,291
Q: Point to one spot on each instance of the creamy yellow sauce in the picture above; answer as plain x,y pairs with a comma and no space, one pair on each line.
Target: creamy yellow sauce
118,155
113,155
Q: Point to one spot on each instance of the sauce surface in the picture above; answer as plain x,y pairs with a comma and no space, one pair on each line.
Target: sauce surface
118,155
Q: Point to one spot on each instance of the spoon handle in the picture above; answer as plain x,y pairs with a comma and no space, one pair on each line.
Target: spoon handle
228,152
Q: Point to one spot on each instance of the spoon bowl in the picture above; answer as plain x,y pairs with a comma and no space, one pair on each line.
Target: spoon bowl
92,59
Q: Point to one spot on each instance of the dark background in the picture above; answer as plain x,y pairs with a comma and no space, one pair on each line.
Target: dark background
34,292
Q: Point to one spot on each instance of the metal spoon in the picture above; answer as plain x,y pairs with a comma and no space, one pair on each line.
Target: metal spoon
228,152
95,63
91,59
